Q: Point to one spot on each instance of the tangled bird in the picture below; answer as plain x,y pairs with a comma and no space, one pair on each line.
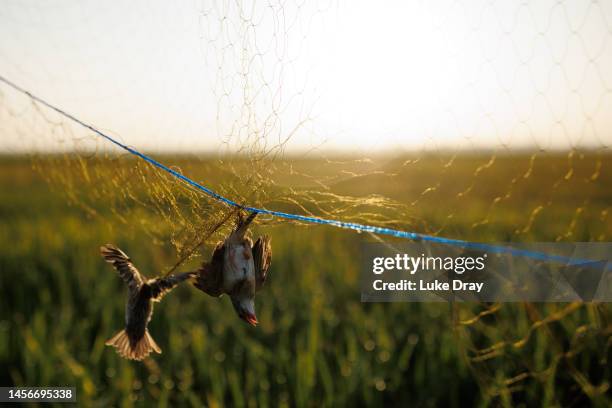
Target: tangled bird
134,342
237,268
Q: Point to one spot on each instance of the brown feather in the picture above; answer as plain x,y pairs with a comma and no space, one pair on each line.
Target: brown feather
161,286
262,257
243,224
122,263
138,351
210,276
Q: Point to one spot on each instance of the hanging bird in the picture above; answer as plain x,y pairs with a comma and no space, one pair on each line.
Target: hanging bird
135,342
237,268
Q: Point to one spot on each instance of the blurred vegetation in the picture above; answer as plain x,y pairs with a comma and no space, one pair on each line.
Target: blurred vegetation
317,344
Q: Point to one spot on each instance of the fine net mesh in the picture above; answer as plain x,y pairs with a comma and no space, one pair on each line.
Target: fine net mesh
508,141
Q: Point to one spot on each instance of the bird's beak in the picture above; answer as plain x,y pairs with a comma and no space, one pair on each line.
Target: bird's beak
250,318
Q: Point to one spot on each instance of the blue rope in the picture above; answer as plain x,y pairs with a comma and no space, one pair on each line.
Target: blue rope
313,220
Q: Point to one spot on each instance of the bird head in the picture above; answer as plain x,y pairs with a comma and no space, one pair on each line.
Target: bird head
245,308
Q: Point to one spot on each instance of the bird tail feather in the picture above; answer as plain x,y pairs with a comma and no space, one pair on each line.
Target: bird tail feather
138,351
243,224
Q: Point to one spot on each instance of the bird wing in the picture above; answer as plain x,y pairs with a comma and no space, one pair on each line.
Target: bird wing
210,276
161,286
123,265
262,258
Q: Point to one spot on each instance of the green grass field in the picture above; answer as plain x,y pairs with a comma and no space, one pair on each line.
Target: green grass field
317,344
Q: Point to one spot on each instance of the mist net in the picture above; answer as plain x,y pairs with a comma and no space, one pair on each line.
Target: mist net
486,122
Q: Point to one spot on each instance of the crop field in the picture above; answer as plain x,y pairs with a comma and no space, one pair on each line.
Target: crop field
317,344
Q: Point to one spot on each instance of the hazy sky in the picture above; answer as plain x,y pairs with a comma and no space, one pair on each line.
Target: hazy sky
190,75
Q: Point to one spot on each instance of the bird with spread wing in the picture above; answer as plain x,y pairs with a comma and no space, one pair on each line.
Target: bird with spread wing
237,268
134,342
